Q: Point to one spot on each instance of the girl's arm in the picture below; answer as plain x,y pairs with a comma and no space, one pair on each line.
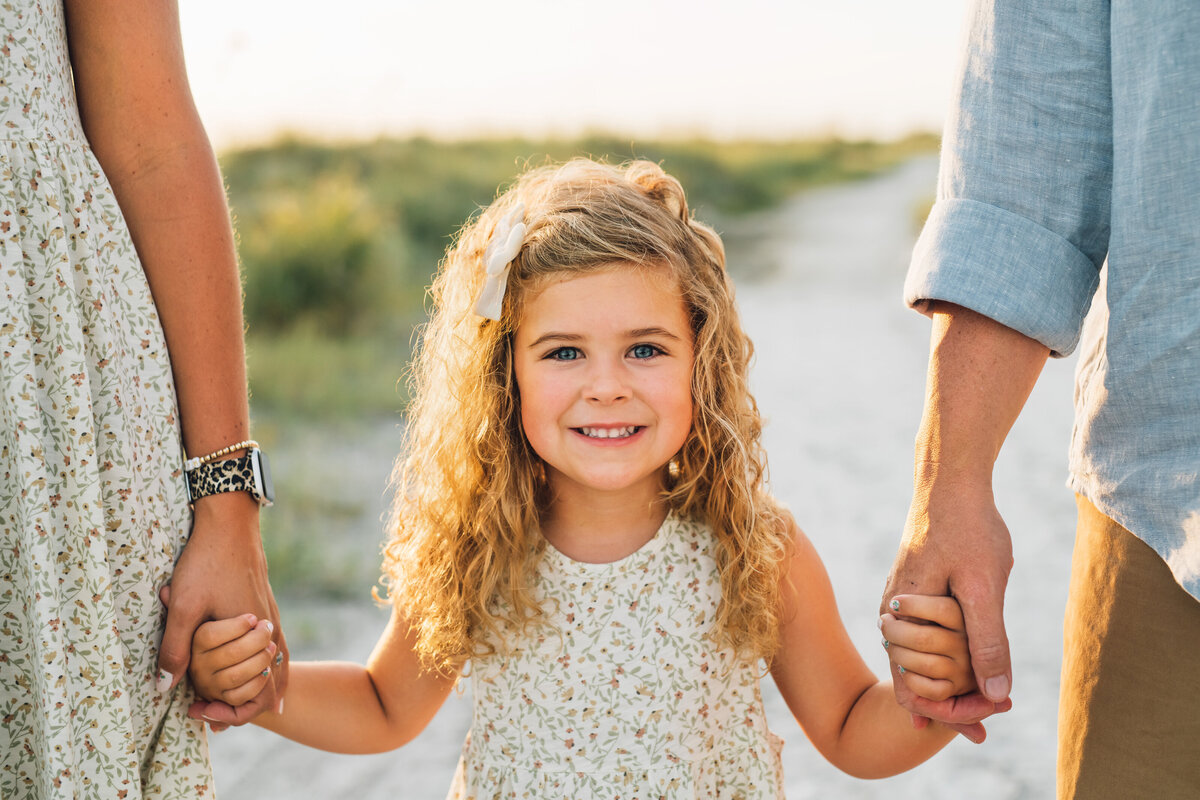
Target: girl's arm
349,708
138,114
848,714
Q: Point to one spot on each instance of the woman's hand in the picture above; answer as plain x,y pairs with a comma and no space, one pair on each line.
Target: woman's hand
222,573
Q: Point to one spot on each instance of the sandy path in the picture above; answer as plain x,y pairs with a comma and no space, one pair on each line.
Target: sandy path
839,377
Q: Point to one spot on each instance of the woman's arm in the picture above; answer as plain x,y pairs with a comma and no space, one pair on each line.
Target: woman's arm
139,117
849,716
348,708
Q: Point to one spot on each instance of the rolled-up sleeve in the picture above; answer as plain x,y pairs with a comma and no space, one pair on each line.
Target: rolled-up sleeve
1021,224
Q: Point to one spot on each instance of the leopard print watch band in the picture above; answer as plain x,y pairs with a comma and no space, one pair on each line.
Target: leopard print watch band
249,473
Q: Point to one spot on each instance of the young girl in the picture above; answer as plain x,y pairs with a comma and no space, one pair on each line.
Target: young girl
581,517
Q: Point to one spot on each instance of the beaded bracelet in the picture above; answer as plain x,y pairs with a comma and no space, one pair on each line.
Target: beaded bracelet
192,463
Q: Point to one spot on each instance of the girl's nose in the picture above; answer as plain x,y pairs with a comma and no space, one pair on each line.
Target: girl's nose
606,384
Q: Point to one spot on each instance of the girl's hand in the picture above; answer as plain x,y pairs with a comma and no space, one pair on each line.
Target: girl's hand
926,637
232,659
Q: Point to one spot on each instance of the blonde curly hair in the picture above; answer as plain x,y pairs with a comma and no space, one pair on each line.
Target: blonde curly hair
464,524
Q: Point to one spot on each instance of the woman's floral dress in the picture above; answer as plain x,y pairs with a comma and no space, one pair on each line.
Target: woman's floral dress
618,693
92,505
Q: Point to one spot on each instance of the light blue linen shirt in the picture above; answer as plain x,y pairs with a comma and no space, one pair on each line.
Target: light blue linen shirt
1070,175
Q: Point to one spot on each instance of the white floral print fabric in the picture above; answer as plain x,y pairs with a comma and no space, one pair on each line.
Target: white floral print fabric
92,506
617,692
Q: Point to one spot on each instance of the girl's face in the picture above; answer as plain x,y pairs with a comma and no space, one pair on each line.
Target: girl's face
604,366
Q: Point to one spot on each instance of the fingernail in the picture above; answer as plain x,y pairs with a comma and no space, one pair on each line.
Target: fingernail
886,644
266,672
996,688
270,626
165,679
902,670
879,623
894,605
207,717
278,659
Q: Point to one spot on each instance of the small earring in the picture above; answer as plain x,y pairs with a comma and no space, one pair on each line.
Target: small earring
673,469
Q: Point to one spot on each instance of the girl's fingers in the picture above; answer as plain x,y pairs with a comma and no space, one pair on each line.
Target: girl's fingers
244,646
929,688
247,691
925,638
931,666
944,611
255,670
218,632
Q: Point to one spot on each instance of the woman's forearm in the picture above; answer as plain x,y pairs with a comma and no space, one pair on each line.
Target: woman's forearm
142,124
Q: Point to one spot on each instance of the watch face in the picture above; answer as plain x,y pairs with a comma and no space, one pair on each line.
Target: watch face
262,476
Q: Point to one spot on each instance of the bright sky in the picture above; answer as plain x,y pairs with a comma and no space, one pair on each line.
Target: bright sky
758,68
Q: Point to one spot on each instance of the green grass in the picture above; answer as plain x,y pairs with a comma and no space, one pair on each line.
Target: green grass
302,373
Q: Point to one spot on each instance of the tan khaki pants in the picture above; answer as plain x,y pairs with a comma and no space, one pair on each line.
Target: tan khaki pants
1129,714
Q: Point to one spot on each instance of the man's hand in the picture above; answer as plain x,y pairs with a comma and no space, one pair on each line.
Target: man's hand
956,544
222,573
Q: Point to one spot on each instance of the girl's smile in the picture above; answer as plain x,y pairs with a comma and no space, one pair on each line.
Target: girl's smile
603,363
617,433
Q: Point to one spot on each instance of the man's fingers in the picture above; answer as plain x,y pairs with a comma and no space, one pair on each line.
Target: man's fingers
973,731
983,610
958,710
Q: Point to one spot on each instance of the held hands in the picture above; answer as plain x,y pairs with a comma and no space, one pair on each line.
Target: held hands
926,639
222,572
232,661
973,566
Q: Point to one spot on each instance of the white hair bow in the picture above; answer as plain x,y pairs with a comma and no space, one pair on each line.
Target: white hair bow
502,248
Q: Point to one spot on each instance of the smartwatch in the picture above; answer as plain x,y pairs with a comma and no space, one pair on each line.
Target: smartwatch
249,473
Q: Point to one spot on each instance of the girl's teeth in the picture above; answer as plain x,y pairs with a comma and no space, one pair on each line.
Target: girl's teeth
608,433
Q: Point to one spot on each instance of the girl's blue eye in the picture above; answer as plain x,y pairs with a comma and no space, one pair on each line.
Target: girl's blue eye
644,351
565,354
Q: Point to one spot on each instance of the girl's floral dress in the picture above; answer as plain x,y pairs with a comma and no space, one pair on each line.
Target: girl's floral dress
92,505
618,693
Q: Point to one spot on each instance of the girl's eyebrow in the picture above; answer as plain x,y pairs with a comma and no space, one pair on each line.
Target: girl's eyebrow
662,332
554,336
636,333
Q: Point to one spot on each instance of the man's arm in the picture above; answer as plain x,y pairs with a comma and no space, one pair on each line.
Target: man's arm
980,374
